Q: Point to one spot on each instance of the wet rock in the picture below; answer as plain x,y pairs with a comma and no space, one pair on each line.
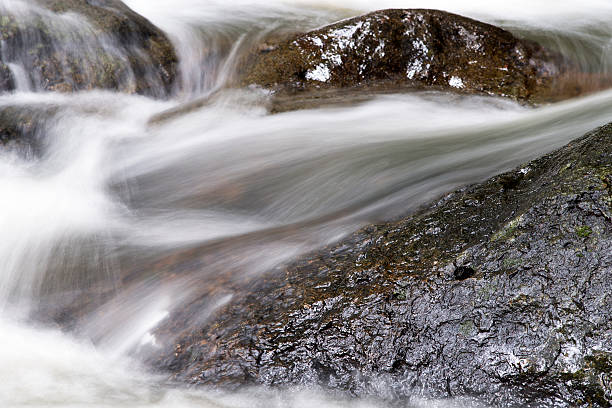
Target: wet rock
405,49
69,45
464,272
20,128
6,78
502,294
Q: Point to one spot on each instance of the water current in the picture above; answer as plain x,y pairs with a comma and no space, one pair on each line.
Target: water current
108,190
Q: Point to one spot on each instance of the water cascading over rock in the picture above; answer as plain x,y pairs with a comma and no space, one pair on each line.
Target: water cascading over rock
70,45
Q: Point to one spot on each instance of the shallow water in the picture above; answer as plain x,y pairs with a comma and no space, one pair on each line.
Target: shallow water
107,190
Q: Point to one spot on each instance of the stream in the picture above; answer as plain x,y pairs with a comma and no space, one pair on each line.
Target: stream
108,190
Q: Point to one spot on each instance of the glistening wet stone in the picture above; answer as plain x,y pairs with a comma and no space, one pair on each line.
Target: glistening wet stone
383,312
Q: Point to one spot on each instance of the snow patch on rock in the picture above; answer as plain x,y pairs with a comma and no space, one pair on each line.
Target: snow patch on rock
343,37
420,65
415,68
456,82
472,40
380,50
321,73
420,46
317,41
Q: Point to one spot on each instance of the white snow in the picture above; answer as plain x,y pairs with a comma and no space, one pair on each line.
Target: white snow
415,68
456,82
343,36
320,73
317,41
472,40
420,45
380,50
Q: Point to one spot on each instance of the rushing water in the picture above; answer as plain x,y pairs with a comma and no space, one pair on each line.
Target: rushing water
108,190
71,45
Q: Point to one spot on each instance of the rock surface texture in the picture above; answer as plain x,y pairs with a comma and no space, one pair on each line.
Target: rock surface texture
500,291
19,128
410,48
69,45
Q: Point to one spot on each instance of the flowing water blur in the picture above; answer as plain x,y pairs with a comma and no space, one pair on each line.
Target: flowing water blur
73,45
108,190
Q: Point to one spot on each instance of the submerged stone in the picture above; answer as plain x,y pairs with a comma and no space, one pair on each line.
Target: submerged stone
412,49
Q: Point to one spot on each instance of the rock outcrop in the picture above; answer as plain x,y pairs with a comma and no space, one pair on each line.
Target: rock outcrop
69,45
410,49
501,291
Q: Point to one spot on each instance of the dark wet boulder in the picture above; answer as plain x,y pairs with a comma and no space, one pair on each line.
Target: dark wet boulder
501,291
69,45
6,78
410,49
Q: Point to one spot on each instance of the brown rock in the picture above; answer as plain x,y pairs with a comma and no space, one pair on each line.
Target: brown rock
411,49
